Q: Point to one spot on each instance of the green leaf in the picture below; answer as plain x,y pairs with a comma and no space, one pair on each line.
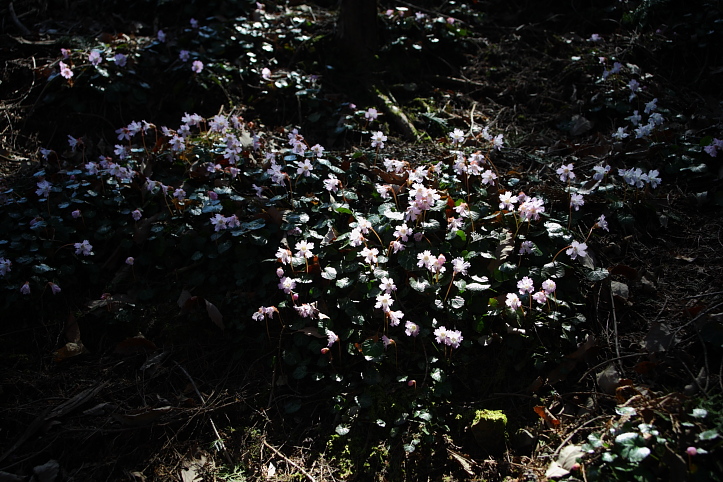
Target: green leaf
635,454
708,435
253,225
477,286
300,372
424,415
457,302
329,273
372,349
418,285
437,375
597,274
42,268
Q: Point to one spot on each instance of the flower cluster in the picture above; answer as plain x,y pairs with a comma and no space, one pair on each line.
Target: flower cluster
221,222
445,336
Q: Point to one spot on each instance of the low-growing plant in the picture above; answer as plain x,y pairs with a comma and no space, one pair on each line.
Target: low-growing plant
378,277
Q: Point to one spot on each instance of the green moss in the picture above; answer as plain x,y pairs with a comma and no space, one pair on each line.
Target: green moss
489,428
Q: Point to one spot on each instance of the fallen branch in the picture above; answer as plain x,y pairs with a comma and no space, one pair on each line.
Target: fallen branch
277,452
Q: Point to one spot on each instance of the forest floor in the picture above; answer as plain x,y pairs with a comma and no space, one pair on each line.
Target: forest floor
525,71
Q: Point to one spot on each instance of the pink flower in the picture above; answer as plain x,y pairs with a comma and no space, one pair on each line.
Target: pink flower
54,288
395,317
43,188
371,114
525,285
527,247
161,36
184,55
549,286
602,223
566,173
513,301
540,297
5,265
459,265
65,53
576,200
411,328
283,255
332,183
84,248
287,284
197,66
95,58
25,289
440,334
65,71
137,215
331,338
130,260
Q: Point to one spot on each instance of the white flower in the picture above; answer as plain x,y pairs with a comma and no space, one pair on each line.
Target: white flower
540,297
457,136
411,328
576,200
84,248
527,247
459,266
283,255
513,301
620,134
403,232
600,172
287,284
378,139
304,168
507,200
549,286
441,335
653,178
387,285
332,183
565,172
370,255
525,285
384,301
577,249
356,238
602,223
425,259
303,249
488,177
395,317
